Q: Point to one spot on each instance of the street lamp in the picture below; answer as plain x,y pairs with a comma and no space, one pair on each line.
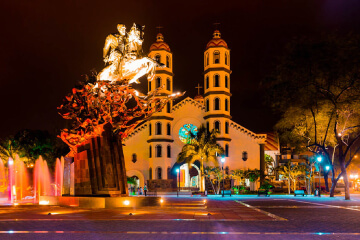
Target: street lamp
319,158
178,174
223,161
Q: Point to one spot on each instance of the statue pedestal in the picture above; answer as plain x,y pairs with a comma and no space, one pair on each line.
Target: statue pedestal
99,166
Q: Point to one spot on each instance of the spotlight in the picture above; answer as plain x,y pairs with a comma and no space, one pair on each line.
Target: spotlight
43,202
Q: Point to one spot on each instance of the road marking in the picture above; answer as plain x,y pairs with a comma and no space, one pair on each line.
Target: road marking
277,218
185,233
328,205
292,206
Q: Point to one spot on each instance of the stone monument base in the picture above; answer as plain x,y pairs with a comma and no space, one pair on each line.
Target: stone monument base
100,202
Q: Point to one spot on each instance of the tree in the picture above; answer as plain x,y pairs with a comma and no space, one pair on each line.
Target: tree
252,175
293,173
239,175
29,145
316,88
215,175
9,148
204,149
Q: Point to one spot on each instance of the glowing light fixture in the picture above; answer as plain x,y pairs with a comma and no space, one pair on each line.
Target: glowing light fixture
327,168
177,170
43,202
319,159
161,200
222,159
126,202
10,162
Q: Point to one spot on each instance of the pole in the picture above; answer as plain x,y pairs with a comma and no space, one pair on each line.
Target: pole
223,180
319,179
178,184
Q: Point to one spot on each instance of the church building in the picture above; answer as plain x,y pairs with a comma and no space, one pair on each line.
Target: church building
151,150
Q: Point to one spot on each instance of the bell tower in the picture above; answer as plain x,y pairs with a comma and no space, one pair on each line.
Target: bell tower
160,139
217,89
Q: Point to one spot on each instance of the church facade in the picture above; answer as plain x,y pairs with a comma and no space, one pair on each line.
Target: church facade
151,150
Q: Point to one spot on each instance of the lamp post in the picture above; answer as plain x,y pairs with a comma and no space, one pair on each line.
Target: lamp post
319,158
11,175
223,161
178,175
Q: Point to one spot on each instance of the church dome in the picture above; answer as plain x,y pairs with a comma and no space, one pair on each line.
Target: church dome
216,41
159,44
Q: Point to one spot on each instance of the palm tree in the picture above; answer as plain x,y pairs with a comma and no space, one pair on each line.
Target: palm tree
9,148
203,148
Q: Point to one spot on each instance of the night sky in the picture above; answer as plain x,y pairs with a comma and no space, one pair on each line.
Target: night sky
46,46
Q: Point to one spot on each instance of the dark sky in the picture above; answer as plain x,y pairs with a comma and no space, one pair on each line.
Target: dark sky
47,45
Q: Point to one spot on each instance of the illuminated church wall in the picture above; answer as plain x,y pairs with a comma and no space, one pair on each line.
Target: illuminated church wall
191,111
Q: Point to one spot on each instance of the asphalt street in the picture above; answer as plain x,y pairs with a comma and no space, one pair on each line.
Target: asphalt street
246,217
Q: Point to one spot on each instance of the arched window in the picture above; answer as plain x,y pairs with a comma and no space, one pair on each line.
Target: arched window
226,104
168,84
168,107
207,105
168,129
245,156
158,82
158,128
150,152
158,58
226,58
134,158
150,129
158,173
226,81
227,127
149,86
207,127
217,104
217,126
168,148
216,57
150,173
158,150
207,82
226,150
168,172
167,61
216,81
207,59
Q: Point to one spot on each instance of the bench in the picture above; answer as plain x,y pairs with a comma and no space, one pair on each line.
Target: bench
299,192
226,192
263,192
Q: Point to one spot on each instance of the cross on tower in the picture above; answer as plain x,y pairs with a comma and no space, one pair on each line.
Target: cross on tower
216,25
159,28
198,88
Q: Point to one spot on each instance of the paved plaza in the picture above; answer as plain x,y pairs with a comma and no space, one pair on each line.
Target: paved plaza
245,217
